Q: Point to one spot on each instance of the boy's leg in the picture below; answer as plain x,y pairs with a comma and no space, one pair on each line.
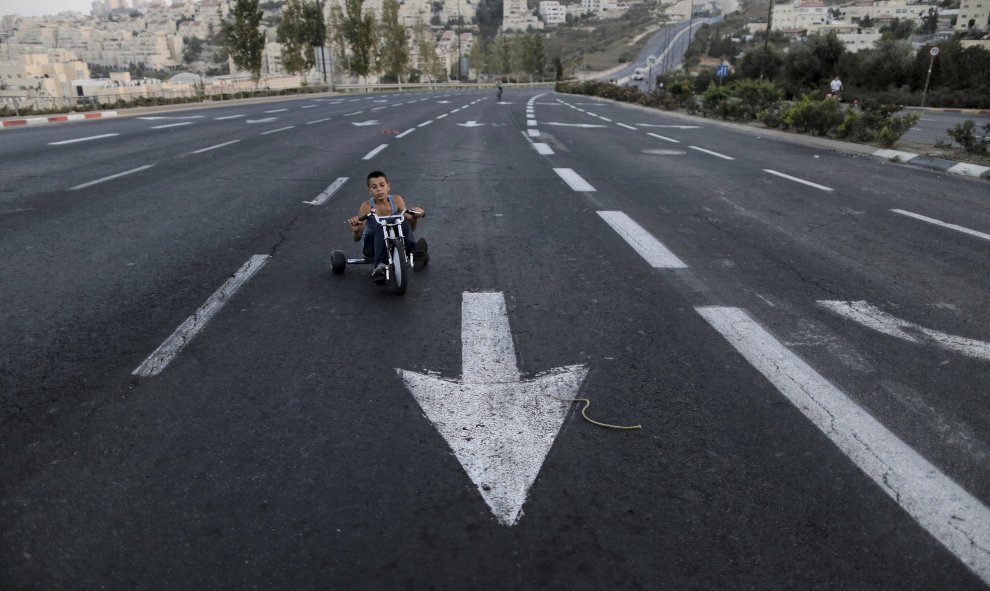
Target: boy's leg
374,244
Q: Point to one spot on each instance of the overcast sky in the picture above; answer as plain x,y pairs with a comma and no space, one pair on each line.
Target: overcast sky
42,7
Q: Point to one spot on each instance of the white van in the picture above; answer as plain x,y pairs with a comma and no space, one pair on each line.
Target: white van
639,74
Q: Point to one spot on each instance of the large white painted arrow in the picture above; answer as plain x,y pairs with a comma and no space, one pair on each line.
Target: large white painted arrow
499,425
363,123
875,318
471,123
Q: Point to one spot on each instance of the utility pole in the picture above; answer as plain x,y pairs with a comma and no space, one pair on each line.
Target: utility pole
766,40
323,41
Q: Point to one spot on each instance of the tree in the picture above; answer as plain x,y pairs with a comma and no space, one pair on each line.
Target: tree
192,50
358,30
532,55
477,57
301,29
503,55
296,54
394,51
898,29
426,46
887,65
242,38
929,22
336,35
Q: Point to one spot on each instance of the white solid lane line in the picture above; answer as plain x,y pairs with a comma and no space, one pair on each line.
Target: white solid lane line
227,117
648,247
965,230
664,138
797,180
215,147
573,179
722,156
627,126
113,176
318,121
328,192
276,130
172,125
167,351
82,139
949,513
374,152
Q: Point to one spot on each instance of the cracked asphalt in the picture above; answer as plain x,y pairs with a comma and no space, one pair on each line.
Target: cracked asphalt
280,450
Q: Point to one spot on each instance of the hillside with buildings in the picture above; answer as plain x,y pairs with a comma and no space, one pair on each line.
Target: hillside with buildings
128,48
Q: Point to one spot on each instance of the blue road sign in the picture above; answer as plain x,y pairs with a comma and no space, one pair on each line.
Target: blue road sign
722,71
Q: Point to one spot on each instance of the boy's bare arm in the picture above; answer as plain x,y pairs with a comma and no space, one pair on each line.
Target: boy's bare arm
357,228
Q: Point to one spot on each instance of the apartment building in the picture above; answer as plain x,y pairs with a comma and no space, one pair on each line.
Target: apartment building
516,16
812,15
973,14
554,13
48,73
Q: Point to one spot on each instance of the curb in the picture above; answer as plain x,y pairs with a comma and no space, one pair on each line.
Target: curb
950,110
914,160
4,124
950,166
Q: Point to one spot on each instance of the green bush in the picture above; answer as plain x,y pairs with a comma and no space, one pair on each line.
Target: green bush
816,116
965,135
756,95
873,120
773,116
717,101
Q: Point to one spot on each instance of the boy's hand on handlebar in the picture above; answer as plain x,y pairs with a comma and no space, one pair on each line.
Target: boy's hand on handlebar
353,221
417,212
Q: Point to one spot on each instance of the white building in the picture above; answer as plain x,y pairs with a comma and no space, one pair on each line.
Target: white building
814,16
516,16
973,14
554,13
40,74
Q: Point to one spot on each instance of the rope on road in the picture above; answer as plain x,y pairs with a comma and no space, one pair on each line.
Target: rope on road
587,403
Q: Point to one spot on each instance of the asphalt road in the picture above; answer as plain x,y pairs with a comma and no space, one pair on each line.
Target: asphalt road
805,348
933,127
667,47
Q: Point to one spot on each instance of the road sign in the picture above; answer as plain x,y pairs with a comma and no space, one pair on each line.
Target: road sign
722,71
933,51
651,60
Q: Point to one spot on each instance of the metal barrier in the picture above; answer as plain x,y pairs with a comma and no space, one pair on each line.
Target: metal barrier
45,105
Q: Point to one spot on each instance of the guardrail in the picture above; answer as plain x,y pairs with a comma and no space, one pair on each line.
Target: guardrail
48,105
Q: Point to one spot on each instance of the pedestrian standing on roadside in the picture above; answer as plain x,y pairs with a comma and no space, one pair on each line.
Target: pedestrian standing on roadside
835,86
